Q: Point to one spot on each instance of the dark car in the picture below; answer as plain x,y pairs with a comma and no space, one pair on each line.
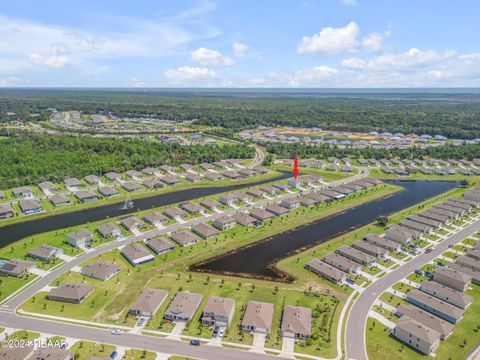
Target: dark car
195,342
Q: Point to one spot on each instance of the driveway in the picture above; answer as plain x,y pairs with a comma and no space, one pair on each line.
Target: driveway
258,342
178,329
288,346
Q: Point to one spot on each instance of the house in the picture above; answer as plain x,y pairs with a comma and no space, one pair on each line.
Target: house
228,199
131,186
281,186
210,204
474,274
224,222
327,271
155,218
389,245
170,180
193,178
109,230
245,219
113,176
148,303
81,238
342,263
132,223
23,191
332,194
434,216
47,186
92,179
446,294
426,319
423,220
398,235
192,208
108,191
277,210
86,196
150,171
356,255
258,317
416,335
270,190
295,182
260,215
257,193
440,308
452,278
207,166
246,172
15,352
174,212
296,322
290,203
183,306
474,254
100,270
160,245
205,231
15,267
133,174
213,176
232,175
468,261
370,249
186,167
422,228
184,237
136,254
218,311
31,206
152,183
70,293
59,199
6,211
72,182
51,353
45,252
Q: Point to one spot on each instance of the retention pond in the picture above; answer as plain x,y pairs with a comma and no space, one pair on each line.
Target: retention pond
259,259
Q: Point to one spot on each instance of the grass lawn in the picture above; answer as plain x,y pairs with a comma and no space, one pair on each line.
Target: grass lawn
450,254
384,262
392,300
398,255
23,335
470,241
372,270
83,349
402,287
10,284
417,278
465,337
135,354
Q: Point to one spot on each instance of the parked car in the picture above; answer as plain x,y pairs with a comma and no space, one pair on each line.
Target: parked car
113,355
419,272
117,332
140,321
195,342
440,264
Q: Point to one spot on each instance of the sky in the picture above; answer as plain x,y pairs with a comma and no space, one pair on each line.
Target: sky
240,43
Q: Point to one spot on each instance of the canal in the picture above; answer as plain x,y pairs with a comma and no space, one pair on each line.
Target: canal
259,259
18,231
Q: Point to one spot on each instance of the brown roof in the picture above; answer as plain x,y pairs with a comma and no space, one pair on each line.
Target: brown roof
50,353
258,314
297,319
159,244
425,318
184,304
149,300
219,306
100,270
71,291
418,330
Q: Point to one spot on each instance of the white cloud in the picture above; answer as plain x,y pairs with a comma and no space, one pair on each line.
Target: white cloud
374,41
240,49
52,61
411,58
10,81
331,40
350,2
187,74
210,57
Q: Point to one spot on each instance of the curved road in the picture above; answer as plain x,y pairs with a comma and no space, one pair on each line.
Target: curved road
356,326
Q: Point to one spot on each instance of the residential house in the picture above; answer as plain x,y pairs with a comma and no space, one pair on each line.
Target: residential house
452,278
446,294
86,196
6,211
277,210
136,254
370,249
205,231
108,191
72,182
100,270
45,252
59,199
15,267
218,311
296,322
258,317
290,203
31,206
260,214
155,218
438,307
148,303
70,293
210,204
80,238
356,255
132,223
184,237
426,319
245,219
183,306
327,271
109,230
224,223
131,186
416,335
342,263
192,208
174,212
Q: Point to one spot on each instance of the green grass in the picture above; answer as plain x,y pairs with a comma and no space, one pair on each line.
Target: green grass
135,354
465,338
402,287
392,300
83,349
23,335
450,254
10,284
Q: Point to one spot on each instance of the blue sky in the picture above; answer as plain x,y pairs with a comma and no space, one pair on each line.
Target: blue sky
240,43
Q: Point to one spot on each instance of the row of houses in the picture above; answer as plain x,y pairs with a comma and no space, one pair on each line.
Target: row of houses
30,353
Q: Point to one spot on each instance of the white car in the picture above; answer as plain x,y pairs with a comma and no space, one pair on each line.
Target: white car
117,332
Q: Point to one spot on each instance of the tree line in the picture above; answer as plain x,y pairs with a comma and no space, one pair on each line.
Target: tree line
29,159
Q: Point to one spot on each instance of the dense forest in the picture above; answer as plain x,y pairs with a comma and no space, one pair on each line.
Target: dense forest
468,151
454,115
29,159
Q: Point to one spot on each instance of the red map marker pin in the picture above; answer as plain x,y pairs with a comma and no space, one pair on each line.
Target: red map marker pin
295,167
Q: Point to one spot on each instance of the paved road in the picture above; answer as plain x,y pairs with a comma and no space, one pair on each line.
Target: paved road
152,343
355,341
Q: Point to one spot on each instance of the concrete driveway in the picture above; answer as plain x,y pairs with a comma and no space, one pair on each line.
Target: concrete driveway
178,329
258,342
288,346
